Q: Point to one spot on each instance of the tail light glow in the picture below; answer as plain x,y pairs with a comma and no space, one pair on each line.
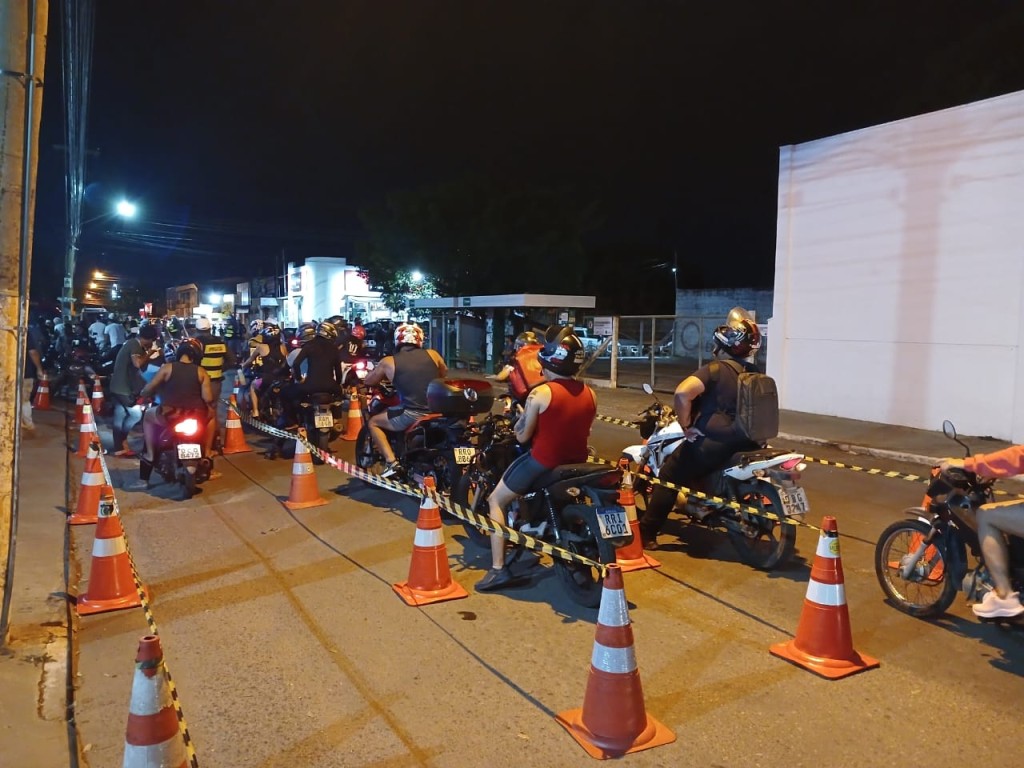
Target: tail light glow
187,427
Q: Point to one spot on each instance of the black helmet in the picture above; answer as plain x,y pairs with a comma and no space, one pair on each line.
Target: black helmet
563,351
327,330
337,321
526,338
306,332
740,336
189,347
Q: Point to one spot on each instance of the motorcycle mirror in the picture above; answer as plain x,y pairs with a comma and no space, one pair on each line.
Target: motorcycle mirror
950,431
648,388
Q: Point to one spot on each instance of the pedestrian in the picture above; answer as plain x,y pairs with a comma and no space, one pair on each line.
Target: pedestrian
33,371
126,383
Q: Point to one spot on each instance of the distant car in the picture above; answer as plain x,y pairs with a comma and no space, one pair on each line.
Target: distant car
629,347
589,340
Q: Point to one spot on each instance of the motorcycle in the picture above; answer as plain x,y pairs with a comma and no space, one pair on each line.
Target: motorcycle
320,414
766,479
574,506
180,455
921,562
436,445
355,371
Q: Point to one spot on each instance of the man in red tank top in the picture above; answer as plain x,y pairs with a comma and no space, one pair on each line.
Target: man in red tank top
557,417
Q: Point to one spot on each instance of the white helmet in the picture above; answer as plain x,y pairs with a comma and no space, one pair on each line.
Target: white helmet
203,324
408,334
255,326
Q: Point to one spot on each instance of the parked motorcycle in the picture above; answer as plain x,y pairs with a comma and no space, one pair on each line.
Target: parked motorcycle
180,455
923,560
574,506
436,445
766,479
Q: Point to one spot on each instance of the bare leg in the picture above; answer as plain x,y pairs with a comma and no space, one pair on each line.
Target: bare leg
993,521
497,503
378,433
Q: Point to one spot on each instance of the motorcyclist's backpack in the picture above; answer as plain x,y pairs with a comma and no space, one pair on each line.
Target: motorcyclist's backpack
757,403
526,371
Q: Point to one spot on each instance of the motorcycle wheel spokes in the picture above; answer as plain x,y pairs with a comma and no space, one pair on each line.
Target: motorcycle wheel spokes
760,541
929,591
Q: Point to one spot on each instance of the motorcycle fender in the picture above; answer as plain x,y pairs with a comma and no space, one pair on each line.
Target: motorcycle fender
634,452
605,547
919,513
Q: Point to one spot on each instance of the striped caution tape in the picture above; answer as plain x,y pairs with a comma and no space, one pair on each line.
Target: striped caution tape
147,610
613,420
456,510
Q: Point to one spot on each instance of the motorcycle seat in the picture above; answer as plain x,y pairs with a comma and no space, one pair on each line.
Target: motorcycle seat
743,458
423,420
320,398
584,472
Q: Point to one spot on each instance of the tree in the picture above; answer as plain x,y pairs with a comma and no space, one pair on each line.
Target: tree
473,236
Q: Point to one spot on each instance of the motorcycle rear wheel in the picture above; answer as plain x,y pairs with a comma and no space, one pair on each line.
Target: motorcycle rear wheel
367,456
930,590
188,483
321,440
583,583
762,543
471,492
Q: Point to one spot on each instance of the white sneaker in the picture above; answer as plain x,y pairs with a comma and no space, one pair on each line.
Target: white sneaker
992,606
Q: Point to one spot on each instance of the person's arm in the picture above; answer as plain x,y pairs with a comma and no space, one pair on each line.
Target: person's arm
536,403
385,369
442,368
154,384
207,388
297,364
689,389
339,374
1005,463
37,361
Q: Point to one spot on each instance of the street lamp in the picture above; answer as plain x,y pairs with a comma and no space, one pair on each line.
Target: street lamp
125,210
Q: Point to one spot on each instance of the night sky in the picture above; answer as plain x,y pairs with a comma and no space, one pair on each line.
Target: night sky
242,128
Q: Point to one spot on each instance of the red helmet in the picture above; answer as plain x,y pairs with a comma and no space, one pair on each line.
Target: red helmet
408,334
358,332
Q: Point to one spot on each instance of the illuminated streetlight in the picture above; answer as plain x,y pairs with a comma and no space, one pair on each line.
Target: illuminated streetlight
93,286
98,275
416,276
216,298
125,209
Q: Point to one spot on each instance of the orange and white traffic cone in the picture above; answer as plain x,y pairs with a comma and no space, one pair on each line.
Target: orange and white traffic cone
303,492
355,417
823,642
112,584
97,397
613,720
42,401
234,436
81,401
87,434
430,578
632,557
152,737
92,490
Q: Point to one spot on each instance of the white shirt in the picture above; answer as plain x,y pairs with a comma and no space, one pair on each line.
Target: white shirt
98,332
116,334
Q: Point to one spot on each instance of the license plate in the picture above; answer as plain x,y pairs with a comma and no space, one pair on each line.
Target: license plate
612,521
190,451
464,454
794,500
323,420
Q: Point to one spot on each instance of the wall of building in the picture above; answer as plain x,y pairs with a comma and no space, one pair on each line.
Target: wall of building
324,286
717,303
899,288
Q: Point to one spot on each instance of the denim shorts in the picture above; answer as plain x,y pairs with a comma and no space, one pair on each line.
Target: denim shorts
523,473
405,420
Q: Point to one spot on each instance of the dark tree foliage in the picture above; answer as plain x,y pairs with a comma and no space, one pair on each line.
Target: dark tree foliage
473,236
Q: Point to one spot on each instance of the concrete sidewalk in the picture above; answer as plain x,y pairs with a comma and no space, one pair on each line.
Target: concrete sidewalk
37,663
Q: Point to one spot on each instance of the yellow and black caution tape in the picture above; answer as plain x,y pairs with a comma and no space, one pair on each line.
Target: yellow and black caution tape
193,760
613,420
456,510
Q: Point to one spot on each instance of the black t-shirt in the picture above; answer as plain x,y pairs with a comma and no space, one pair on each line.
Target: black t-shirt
323,365
716,407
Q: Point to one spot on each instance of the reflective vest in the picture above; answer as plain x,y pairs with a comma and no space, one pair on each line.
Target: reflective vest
214,351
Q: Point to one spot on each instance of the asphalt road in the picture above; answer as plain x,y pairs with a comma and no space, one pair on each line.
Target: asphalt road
289,648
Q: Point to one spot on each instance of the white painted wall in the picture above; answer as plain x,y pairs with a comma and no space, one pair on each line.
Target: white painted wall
899,274
326,283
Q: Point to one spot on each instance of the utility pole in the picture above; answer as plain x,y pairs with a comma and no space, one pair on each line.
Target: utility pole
22,59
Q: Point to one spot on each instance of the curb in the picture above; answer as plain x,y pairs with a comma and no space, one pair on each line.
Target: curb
881,453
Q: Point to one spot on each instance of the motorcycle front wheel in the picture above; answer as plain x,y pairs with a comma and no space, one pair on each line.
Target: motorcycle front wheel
582,582
930,589
367,456
761,542
471,492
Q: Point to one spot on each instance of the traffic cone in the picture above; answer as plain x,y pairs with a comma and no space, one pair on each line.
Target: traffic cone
87,434
42,401
111,582
152,737
234,437
430,578
91,491
97,396
823,642
355,417
303,493
613,720
81,401
632,557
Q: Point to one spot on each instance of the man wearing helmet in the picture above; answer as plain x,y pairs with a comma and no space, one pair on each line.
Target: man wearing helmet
410,370
708,422
217,357
556,421
269,355
183,385
319,358
524,371
126,382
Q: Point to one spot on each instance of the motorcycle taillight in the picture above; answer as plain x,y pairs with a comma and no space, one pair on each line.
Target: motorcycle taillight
792,464
187,427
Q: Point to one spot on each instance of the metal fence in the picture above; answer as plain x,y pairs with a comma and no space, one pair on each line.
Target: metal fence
659,349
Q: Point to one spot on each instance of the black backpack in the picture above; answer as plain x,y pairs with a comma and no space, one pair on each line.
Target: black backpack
757,404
